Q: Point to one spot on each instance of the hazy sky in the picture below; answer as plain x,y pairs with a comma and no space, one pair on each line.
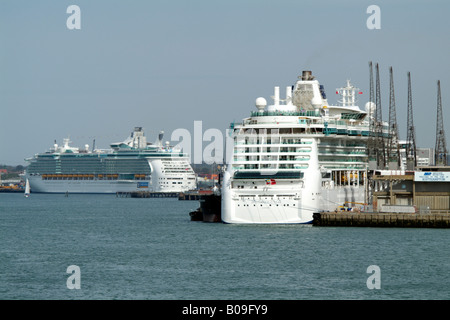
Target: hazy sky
164,64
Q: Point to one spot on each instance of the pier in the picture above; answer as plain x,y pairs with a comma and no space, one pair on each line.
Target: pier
194,195
440,219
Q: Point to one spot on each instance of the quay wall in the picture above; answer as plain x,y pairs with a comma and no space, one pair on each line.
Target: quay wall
396,220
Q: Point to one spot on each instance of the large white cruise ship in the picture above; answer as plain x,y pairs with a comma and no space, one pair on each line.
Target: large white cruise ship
298,156
131,165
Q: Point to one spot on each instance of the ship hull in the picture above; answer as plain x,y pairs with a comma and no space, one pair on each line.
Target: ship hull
294,209
282,203
38,185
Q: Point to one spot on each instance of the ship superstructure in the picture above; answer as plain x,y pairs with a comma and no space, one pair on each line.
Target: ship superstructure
298,156
130,165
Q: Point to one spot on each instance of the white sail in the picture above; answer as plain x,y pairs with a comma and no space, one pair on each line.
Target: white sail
27,188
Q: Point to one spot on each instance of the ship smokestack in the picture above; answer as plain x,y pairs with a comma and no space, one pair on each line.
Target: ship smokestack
288,95
307,75
276,98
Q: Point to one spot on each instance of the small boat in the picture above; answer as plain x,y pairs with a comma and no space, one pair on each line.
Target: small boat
27,189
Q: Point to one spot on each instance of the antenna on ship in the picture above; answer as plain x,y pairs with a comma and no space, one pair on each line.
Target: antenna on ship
348,94
159,142
441,145
393,146
411,158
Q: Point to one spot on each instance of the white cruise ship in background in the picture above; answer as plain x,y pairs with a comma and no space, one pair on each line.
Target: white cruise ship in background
131,165
297,156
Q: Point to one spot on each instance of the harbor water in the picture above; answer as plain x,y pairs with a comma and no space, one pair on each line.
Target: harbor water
131,248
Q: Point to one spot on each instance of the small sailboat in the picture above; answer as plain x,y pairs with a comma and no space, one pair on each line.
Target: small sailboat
27,189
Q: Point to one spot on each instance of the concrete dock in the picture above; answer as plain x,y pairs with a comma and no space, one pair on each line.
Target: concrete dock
375,219
194,195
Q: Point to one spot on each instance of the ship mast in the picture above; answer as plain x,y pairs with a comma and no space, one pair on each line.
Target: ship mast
348,95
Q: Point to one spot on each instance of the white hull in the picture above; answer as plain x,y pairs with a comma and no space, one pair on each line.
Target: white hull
38,185
285,201
288,206
265,209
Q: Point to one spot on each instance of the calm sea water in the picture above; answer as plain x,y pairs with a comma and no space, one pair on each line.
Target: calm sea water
129,248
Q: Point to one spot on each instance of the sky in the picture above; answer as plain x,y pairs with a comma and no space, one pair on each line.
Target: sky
162,65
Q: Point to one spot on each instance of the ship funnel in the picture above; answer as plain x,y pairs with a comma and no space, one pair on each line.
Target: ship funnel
288,95
307,75
276,98
160,136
